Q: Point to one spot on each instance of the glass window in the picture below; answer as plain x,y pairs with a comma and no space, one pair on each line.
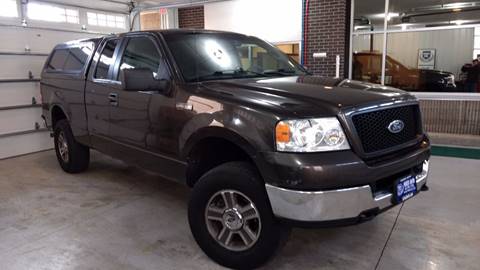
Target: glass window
9,8
108,20
58,59
141,53
431,46
92,18
431,61
433,13
369,15
290,49
70,59
77,57
106,59
367,57
52,13
225,56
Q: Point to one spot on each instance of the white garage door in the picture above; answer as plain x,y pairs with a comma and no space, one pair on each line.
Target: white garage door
23,51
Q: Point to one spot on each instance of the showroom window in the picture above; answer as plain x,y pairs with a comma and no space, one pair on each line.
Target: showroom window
108,20
52,13
422,46
9,8
290,49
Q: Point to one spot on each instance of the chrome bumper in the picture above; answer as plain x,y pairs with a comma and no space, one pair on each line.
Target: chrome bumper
315,206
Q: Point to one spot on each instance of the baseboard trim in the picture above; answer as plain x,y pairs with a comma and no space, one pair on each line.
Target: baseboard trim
456,151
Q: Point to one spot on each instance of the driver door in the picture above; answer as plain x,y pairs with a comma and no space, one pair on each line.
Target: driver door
139,120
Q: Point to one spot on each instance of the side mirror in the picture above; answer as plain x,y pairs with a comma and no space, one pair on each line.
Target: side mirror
142,80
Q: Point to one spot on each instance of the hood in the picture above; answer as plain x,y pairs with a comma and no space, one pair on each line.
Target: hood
305,96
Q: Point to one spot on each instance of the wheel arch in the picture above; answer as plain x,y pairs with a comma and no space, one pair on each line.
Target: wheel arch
212,146
57,113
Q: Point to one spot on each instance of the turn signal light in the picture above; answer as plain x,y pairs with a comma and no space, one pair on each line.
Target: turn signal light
282,132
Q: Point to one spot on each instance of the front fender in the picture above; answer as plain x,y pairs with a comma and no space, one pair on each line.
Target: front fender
250,130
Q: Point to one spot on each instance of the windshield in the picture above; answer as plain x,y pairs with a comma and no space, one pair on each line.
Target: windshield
214,56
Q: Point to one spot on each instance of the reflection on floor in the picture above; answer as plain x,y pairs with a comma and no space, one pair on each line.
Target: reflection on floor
119,217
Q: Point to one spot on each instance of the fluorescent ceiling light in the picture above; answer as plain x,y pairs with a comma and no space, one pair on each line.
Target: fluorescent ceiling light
459,22
389,16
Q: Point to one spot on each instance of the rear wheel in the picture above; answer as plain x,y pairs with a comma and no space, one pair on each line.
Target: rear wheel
231,218
72,156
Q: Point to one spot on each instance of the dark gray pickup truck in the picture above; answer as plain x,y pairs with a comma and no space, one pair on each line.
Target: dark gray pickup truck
263,144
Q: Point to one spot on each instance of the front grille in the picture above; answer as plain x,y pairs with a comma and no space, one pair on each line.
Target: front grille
372,127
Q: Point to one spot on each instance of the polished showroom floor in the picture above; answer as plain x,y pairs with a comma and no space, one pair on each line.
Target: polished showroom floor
119,217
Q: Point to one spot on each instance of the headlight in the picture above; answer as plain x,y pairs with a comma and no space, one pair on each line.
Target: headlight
310,135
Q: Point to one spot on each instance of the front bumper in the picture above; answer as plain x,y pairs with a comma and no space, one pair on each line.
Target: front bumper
332,205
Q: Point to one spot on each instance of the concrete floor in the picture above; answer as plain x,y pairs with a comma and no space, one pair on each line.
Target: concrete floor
119,217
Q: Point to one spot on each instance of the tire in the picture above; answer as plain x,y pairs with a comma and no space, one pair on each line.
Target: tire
237,180
77,156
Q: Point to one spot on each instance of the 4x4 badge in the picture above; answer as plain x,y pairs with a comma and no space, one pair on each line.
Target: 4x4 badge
396,126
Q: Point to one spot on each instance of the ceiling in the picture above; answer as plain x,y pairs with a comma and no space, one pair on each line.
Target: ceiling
416,13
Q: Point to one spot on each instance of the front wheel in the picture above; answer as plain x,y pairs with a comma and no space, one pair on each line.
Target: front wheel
231,218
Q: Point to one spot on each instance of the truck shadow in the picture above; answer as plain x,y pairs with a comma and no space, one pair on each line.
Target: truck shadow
165,202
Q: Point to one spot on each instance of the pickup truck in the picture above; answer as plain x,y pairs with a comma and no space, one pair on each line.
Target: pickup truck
263,144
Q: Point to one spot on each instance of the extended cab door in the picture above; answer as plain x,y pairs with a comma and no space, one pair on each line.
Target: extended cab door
98,98
141,122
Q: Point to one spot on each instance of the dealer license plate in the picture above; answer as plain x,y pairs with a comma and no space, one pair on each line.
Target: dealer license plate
405,188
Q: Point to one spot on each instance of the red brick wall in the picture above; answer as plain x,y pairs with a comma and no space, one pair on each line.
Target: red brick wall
191,17
328,31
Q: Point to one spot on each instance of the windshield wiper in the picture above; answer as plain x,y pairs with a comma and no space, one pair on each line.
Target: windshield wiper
233,73
280,71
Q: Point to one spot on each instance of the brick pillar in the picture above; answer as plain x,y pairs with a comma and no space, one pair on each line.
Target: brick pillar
328,31
191,17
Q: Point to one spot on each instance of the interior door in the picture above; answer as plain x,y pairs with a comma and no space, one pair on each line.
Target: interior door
97,94
140,120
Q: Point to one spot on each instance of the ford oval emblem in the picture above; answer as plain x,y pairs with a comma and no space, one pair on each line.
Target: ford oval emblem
396,126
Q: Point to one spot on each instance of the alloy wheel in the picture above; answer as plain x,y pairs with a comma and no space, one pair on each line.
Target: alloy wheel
233,220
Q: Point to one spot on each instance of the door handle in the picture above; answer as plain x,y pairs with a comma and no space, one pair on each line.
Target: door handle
113,98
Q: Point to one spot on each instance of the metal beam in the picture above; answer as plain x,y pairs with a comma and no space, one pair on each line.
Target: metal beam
24,106
54,29
176,5
18,80
23,132
24,53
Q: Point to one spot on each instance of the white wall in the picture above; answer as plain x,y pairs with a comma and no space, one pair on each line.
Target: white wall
272,20
454,47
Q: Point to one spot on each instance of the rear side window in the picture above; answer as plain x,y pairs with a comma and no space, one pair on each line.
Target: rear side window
70,59
58,59
106,60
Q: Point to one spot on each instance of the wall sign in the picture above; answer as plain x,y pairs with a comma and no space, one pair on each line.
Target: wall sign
426,58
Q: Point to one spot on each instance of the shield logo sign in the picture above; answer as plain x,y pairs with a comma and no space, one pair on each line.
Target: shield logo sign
427,56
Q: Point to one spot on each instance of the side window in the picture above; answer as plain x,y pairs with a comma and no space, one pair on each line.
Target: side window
141,53
106,59
77,57
58,59
70,59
